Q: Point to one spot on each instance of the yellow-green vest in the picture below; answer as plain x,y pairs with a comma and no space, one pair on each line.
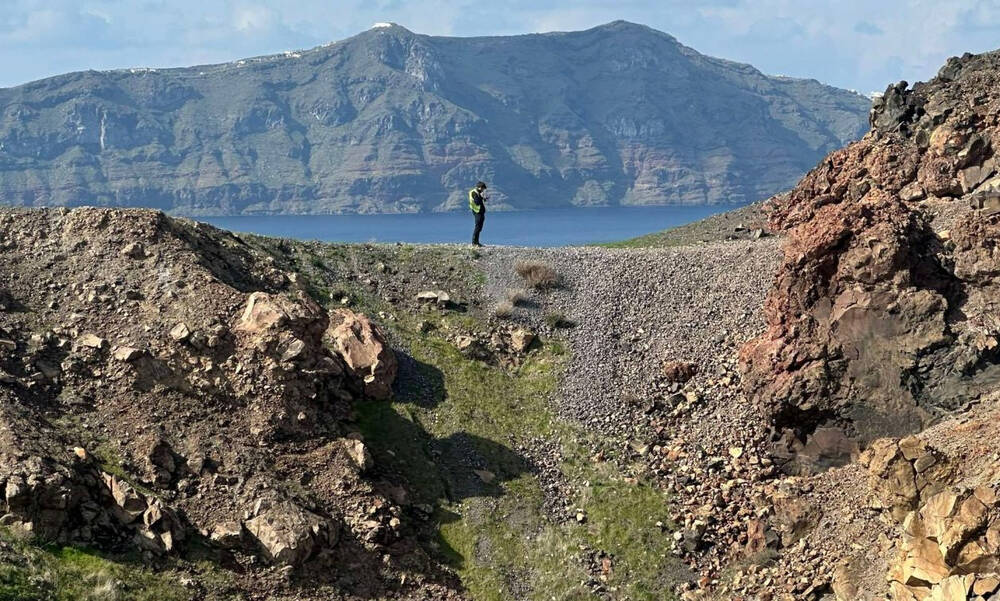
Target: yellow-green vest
472,202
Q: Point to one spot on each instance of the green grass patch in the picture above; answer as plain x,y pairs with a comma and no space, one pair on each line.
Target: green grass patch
73,574
498,535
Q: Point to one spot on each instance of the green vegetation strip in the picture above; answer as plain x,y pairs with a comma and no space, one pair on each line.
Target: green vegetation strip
499,536
71,574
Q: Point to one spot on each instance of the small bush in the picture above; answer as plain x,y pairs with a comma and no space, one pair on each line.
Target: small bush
504,310
537,275
558,320
517,298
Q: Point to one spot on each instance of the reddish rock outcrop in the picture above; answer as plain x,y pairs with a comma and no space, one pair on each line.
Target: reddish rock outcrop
881,315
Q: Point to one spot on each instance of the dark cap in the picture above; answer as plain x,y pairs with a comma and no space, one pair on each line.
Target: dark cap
481,185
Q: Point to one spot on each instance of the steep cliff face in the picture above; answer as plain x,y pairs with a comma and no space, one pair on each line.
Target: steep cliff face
882,317
392,121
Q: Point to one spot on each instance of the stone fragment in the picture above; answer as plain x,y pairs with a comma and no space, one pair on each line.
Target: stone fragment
294,350
228,535
134,250
359,454
953,588
947,550
92,341
130,503
521,339
127,354
288,534
679,371
986,585
180,332
485,475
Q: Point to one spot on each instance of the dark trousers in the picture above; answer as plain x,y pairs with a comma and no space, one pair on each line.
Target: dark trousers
480,218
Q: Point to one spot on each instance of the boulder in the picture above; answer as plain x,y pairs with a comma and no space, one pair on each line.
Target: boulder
130,502
289,535
471,347
92,341
265,311
679,371
127,354
228,535
794,516
427,296
294,349
360,456
902,473
365,351
159,460
947,551
440,298
521,339
134,250
180,332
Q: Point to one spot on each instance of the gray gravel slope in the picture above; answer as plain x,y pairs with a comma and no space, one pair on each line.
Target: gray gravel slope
636,308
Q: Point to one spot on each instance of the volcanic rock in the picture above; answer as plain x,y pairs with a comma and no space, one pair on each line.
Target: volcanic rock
127,354
904,472
92,341
180,332
877,324
949,547
521,339
289,534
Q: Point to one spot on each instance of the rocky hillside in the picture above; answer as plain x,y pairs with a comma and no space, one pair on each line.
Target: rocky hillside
168,393
393,121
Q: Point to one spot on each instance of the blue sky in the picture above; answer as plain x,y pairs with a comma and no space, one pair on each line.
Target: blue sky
856,44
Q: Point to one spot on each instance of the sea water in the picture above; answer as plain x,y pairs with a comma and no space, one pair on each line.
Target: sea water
543,227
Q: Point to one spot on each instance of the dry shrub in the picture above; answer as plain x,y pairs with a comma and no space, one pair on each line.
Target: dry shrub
537,275
504,310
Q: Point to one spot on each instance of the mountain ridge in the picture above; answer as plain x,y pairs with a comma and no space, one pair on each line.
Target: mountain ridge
394,121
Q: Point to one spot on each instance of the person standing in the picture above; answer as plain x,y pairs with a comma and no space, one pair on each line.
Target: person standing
477,202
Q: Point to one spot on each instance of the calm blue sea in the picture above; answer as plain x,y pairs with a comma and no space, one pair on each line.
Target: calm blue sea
545,227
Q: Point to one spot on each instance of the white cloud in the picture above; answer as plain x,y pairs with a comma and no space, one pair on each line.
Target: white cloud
253,18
